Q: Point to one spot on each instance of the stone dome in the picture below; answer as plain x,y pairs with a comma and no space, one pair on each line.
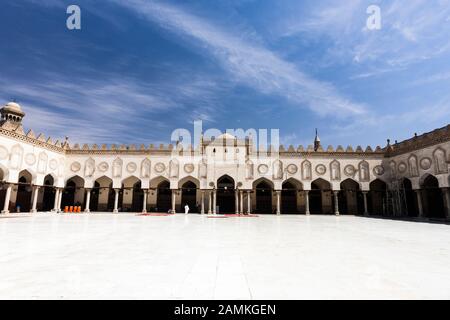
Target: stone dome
14,108
226,136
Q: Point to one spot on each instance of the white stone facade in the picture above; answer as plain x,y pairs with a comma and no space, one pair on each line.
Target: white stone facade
117,175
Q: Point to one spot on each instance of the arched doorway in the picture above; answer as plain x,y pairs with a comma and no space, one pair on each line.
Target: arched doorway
102,195
376,197
433,201
189,196
24,192
73,193
163,197
289,197
131,195
264,194
350,198
48,200
138,197
410,198
320,198
226,195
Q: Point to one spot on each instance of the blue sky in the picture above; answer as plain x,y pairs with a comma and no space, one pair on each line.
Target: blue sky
139,69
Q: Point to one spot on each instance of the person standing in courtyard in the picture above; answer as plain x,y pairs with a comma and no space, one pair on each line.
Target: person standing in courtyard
186,209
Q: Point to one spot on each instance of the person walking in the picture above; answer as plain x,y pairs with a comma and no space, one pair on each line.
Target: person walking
186,209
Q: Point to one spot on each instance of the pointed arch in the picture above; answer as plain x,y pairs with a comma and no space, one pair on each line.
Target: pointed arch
320,198
350,197
432,197
189,179
174,168
413,166
364,171
42,162
117,168
16,157
146,168
335,170
440,161
289,196
306,170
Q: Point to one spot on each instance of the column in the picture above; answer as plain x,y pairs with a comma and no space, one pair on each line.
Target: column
307,212
34,200
144,202
174,200
446,194
419,202
61,191
202,211
209,202
241,196
366,211
55,205
236,201
336,202
278,202
116,201
214,201
249,202
88,201
7,199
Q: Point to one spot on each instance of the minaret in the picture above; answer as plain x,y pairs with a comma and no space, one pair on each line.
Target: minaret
11,116
316,141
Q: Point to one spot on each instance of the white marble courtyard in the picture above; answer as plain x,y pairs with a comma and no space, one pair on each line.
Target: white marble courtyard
198,257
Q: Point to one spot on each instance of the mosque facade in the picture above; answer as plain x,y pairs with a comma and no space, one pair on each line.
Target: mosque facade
223,175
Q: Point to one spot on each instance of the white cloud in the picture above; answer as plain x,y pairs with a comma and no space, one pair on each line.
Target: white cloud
249,63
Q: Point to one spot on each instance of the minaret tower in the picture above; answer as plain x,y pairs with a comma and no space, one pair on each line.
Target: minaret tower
316,141
11,116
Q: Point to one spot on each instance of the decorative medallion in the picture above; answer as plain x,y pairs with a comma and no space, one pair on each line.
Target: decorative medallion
425,163
189,168
321,169
3,153
103,167
402,167
30,159
263,169
53,164
350,170
160,167
75,167
378,170
131,167
292,169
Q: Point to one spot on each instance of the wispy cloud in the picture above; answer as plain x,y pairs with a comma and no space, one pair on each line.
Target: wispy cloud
109,108
411,31
249,63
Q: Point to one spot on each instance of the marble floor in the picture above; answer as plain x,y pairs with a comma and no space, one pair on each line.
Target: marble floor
126,256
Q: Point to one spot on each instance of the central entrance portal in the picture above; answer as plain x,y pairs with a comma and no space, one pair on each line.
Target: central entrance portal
226,195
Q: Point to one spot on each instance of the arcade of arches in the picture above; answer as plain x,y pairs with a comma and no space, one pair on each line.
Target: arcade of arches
429,201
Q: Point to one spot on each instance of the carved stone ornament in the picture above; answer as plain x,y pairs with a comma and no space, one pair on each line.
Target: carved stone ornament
53,164
292,169
263,169
103,167
350,170
425,163
75,166
30,159
402,167
321,169
378,170
189,168
160,167
131,167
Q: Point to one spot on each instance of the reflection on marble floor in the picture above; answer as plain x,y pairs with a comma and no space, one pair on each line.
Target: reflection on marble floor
193,257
